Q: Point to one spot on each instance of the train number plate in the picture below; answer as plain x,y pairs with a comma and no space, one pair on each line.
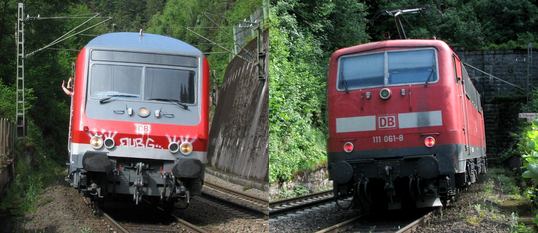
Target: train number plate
388,138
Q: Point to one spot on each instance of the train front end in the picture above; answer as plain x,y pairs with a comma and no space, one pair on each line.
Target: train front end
395,124
139,119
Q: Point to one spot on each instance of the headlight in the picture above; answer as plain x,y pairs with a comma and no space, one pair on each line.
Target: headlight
185,148
384,94
97,142
173,147
109,143
144,112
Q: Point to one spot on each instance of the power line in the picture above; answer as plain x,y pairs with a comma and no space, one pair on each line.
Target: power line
493,76
28,18
63,49
21,56
217,44
57,40
67,36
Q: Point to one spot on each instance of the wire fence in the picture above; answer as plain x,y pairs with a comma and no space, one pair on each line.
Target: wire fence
7,155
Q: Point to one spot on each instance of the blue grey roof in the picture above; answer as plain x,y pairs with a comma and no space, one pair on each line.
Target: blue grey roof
132,41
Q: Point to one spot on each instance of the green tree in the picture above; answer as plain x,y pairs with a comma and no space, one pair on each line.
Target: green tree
303,34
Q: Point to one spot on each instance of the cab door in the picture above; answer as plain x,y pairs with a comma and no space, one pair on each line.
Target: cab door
461,82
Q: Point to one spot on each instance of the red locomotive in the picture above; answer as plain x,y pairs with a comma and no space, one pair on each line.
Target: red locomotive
406,127
139,118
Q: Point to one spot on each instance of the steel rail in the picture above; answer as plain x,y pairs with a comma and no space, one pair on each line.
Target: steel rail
113,222
340,225
189,225
413,225
261,204
293,203
184,223
107,217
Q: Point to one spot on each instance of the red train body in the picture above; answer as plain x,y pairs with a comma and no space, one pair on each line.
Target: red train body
139,118
405,123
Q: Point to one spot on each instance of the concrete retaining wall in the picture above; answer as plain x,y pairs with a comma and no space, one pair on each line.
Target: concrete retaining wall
239,131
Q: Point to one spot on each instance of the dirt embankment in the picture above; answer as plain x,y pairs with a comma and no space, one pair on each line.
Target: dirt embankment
493,205
59,209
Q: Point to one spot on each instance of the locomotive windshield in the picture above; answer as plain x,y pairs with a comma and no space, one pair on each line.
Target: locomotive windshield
169,84
387,68
115,80
149,82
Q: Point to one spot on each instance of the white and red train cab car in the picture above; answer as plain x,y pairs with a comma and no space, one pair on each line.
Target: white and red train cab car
139,118
405,124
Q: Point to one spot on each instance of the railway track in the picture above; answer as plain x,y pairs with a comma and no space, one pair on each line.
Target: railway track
238,198
411,227
361,223
177,224
295,203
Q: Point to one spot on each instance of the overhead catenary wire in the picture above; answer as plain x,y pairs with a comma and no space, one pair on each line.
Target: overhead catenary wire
63,49
21,55
217,44
64,37
493,76
73,29
61,17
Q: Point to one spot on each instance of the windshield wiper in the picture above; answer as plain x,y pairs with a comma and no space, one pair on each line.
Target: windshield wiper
181,104
429,77
109,98
344,82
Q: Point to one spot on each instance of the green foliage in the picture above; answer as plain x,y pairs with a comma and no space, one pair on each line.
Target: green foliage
128,15
86,229
499,24
296,191
296,93
34,170
516,226
528,148
7,105
297,78
211,19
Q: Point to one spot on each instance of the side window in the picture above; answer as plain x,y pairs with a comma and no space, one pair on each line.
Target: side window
470,90
457,67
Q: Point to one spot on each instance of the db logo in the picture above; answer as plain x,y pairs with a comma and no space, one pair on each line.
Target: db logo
384,122
142,129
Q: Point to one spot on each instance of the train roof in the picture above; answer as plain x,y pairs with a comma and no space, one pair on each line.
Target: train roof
409,43
132,41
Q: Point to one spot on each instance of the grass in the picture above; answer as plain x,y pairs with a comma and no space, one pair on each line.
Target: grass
503,200
502,185
298,190
86,230
473,220
29,182
34,170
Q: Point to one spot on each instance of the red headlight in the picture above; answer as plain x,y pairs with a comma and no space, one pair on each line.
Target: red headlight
429,141
348,147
